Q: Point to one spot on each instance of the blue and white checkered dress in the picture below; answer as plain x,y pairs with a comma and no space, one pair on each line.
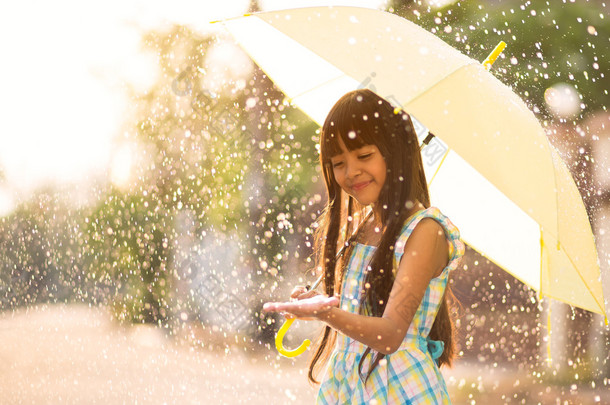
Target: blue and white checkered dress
409,375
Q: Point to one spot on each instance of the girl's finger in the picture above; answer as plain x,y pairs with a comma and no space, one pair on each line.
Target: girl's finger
298,290
334,300
277,306
270,307
307,294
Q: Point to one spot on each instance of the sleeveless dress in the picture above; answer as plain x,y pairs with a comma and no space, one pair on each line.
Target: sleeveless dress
410,375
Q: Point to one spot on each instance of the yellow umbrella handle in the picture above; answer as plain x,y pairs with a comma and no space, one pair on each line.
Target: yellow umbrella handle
280,337
494,55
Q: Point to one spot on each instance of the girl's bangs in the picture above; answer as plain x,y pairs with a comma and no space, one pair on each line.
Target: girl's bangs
356,125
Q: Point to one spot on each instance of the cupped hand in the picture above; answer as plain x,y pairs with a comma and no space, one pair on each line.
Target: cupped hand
308,309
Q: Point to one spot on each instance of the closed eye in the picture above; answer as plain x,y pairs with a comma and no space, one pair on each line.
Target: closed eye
362,157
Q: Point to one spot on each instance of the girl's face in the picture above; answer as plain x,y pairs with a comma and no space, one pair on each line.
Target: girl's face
361,173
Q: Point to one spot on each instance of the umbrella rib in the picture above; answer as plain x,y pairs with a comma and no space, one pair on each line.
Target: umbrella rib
543,247
543,250
602,307
317,86
603,311
439,166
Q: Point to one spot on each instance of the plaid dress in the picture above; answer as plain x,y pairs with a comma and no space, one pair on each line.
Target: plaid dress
409,375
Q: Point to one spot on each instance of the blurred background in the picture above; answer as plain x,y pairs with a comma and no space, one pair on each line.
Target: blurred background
156,189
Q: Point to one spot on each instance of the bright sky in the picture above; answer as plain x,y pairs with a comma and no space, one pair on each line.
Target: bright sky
62,80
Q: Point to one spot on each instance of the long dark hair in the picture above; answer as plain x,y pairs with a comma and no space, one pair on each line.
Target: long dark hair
374,121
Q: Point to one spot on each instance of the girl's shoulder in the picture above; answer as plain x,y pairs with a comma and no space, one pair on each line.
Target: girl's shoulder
430,212
452,233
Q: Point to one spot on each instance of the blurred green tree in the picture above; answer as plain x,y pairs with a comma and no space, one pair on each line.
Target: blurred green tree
39,252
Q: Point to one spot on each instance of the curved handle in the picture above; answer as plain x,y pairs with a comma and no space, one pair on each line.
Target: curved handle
280,337
279,345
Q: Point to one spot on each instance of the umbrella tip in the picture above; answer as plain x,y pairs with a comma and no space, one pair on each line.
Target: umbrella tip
494,55
217,21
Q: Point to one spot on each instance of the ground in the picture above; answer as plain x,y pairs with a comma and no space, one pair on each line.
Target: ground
74,354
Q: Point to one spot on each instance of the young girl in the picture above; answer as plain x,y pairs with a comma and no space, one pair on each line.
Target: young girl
386,292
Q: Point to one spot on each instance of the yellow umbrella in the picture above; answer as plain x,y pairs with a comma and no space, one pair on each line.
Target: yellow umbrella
527,215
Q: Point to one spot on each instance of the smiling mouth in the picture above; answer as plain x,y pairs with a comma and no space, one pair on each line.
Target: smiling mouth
360,186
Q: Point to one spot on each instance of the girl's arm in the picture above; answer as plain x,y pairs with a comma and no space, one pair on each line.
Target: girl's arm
425,256
377,333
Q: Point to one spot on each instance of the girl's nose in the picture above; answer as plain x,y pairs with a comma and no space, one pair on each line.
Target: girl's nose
353,170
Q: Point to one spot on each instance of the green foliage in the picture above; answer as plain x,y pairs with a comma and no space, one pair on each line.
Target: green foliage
127,247
39,252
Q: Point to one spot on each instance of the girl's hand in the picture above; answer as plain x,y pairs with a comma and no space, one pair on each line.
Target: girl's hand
307,308
301,292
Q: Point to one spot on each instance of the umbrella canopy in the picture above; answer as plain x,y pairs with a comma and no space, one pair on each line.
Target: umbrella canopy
523,210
